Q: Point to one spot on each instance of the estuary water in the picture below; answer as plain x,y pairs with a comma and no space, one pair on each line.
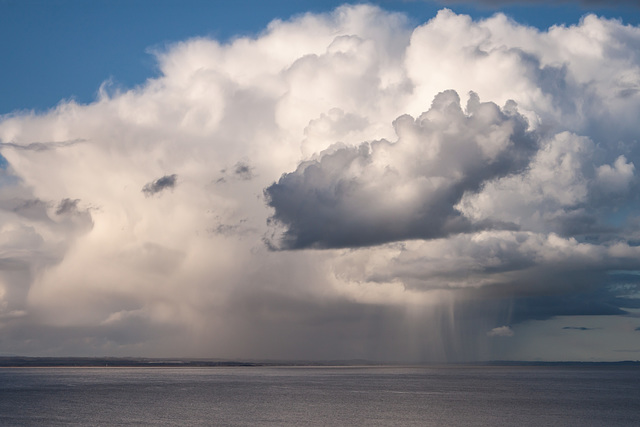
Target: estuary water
322,396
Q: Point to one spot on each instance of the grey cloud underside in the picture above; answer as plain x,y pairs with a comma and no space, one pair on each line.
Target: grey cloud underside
383,191
160,184
533,290
41,146
520,284
41,211
577,304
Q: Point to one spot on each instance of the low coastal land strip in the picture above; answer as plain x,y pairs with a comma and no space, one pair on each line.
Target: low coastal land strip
38,362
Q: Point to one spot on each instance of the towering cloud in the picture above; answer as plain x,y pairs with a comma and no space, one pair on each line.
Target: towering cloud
342,185
380,192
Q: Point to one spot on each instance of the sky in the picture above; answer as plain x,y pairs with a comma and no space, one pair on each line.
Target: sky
407,181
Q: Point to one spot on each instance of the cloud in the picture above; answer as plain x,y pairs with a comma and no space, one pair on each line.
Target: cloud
552,194
579,328
240,171
538,2
457,175
501,331
67,206
41,146
385,191
243,171
160,184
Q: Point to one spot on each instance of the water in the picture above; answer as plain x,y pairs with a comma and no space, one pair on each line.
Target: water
320,396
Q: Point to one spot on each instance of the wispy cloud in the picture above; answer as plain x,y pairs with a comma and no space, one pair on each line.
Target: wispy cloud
160,184
41,146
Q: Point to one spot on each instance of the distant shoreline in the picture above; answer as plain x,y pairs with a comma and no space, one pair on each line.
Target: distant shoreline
124,362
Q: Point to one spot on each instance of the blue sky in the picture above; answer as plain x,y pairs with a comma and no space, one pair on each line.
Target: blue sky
61,49
392,181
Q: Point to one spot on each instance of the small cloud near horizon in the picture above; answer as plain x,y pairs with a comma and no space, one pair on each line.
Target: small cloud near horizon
501,331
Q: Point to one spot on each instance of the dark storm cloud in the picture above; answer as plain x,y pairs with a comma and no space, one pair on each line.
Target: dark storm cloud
160,184
520,275
472,306
384,191
600,302
577,295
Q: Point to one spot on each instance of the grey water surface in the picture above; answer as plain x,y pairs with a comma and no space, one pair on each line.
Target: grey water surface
322,396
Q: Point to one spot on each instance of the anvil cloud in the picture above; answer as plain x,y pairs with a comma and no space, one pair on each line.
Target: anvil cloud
343,185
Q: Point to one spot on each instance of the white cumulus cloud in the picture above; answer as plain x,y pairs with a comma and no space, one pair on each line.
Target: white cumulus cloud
456,174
